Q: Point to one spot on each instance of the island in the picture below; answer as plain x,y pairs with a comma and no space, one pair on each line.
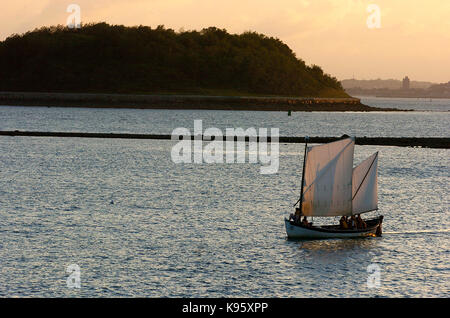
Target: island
102,65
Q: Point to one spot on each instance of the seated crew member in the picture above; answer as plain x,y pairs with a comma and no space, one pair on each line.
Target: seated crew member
295,217
291,217
343,223
305,221
353,222
298,215
360,222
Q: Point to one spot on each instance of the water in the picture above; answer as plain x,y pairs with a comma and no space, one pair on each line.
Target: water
209,230
421,104
160,121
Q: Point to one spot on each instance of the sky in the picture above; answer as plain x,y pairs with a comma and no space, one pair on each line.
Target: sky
348,38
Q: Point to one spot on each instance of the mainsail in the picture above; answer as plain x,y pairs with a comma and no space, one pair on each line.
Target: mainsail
327,186
364,184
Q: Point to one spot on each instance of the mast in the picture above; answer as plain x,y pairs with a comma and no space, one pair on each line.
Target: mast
303,175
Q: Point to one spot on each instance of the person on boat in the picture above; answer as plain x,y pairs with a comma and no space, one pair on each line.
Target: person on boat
353,222
298,215
291,217
305,222
295,217
343,222
360,223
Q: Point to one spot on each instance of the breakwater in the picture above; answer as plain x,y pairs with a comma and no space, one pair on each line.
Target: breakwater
254,103
425,142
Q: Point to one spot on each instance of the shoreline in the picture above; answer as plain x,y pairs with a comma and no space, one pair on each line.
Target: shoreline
424,142
141,101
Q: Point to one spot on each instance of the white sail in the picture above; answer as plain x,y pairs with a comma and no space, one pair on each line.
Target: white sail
327,188
364,184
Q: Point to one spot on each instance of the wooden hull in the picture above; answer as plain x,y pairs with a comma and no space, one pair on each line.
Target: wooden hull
298,231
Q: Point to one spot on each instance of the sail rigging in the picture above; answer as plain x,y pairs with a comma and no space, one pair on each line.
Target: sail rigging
364,186
328,179
332,187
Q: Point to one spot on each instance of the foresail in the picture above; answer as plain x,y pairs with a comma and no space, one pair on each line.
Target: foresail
364,186
327,188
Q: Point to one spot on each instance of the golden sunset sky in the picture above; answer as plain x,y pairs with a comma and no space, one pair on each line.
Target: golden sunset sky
413,40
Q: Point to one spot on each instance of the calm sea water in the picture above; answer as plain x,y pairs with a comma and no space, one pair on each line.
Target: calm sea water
423,104
422,123
206,230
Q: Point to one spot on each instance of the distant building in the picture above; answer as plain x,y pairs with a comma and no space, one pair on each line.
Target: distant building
406,82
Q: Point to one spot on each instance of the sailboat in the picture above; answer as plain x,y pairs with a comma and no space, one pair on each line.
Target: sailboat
332,187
